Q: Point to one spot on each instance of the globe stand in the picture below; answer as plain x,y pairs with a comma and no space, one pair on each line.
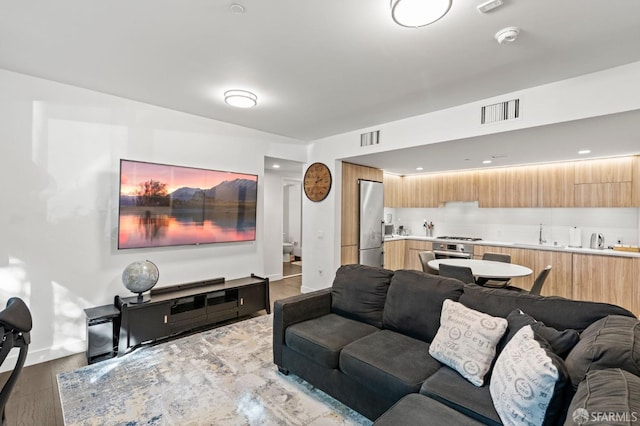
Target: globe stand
142,298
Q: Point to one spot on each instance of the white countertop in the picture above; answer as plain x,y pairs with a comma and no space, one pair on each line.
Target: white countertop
547,247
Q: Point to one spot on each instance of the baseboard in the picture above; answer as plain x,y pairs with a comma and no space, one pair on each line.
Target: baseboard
43,355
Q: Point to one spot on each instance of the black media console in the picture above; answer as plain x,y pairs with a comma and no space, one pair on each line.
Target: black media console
186,307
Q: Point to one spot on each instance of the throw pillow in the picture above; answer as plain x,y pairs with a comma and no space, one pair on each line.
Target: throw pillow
529,381
612,342
610,397
561,341
466,340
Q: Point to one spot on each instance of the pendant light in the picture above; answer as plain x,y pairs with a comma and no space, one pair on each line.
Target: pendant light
418,13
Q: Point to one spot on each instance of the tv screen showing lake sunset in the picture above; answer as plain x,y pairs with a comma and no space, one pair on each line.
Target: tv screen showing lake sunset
164,205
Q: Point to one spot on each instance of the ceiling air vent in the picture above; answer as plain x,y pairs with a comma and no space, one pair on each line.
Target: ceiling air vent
502,111
371,138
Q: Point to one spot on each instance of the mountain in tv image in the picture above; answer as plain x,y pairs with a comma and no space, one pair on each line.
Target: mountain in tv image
238,190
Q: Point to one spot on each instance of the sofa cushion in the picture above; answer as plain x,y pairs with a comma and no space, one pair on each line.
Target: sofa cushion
453,390
321,339
561,341
359,292
529,381
414,302
612,342
556,312
418,410
466,340
388,362
609,397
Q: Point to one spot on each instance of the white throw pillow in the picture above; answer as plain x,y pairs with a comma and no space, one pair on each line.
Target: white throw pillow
528,381
466,340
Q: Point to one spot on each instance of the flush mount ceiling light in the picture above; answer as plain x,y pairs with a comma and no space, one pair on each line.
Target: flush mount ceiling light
240,98
418,13
507,35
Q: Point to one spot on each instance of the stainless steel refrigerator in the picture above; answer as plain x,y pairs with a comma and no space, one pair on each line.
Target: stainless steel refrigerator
370,245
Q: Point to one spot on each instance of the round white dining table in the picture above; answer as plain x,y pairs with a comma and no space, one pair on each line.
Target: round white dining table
485,268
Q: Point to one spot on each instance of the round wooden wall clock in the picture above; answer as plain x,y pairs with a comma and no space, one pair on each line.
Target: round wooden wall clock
317,182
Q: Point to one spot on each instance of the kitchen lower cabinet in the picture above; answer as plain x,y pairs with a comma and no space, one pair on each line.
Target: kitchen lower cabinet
411,260
348,255
394,252
608,279
559,281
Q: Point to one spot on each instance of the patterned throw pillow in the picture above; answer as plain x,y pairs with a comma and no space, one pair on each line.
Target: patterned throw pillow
466,340
529,381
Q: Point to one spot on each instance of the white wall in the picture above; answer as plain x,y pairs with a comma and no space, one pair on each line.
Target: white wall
60,148
606,92
293,215
273,201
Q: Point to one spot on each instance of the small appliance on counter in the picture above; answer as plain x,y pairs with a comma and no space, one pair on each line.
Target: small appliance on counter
597,241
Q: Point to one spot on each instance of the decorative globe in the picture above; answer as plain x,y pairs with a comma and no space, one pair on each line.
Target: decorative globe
140,276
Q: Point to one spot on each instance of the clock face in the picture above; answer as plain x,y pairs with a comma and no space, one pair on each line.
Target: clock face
317,182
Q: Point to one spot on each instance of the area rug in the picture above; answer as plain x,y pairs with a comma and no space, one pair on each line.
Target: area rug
223,376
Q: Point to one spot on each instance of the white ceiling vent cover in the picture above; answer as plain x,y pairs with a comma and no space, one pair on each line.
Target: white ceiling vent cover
371,138
502,111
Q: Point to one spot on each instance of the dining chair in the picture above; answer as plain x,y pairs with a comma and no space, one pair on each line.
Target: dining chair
462,273
495,282
425,257
15,327
536,288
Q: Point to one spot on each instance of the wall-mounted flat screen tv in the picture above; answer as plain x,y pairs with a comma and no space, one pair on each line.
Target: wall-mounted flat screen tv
164,205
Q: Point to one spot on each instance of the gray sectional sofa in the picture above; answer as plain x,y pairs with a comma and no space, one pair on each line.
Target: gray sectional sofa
388,345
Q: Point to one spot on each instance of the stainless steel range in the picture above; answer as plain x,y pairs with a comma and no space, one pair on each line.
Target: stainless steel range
454,248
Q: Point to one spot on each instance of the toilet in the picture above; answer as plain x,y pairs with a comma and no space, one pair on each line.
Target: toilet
287,249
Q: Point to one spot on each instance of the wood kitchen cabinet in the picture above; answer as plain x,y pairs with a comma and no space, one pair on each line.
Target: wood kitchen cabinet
508,187
609,279
351,173
411,260
392,190
635,182
394,253
559,281
556,183
421,191
458,186
604,171
604,183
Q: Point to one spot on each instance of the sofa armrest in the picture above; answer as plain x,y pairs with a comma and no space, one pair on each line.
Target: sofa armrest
296,309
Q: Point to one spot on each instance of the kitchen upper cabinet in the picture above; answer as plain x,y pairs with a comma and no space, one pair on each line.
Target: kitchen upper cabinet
392,190
394,252
635,184
421,191
458,186
412,260
556,185
508,187
614,194
608,279
604,171
351,173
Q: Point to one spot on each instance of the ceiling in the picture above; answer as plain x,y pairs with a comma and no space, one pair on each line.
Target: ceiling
319,68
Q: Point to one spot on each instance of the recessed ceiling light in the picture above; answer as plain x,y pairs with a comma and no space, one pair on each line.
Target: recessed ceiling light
584,151
240,98
487,162
419,169
276,166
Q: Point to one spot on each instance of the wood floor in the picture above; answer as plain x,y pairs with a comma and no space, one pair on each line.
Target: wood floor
35,400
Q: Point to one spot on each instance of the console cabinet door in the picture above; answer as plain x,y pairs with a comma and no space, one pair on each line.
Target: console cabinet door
142,323
251,299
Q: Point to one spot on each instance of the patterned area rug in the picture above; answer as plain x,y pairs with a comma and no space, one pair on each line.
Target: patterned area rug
223,376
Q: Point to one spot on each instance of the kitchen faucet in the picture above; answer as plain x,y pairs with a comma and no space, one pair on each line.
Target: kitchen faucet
540,240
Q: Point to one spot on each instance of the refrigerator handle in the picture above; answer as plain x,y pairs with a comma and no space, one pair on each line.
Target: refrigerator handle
382,232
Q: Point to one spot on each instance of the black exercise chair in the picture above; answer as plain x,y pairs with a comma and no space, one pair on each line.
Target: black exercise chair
15,325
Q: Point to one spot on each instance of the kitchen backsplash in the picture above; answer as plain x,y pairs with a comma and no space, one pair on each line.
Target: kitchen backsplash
521,225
